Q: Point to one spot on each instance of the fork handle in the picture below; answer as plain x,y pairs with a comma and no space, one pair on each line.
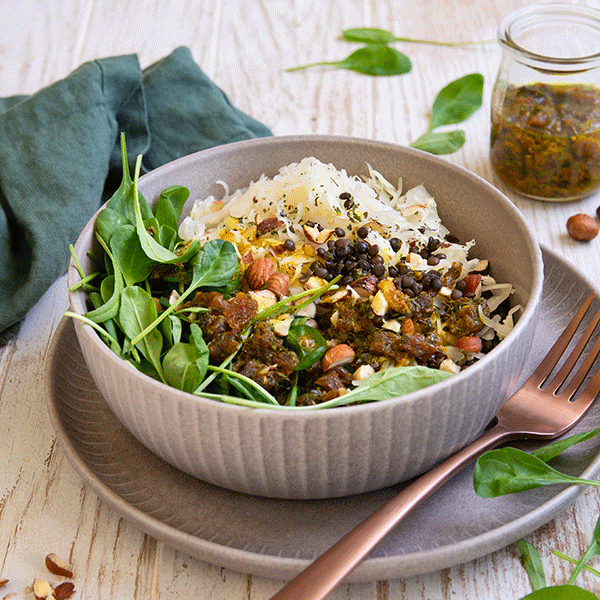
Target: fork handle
328,571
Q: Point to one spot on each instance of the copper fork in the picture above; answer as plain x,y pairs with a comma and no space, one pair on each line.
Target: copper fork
538,409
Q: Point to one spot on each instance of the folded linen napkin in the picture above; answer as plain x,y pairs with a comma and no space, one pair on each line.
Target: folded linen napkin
60,156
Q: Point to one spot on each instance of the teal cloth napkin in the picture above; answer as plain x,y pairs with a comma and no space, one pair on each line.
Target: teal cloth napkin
60,156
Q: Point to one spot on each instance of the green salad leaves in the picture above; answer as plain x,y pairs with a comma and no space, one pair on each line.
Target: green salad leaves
509,470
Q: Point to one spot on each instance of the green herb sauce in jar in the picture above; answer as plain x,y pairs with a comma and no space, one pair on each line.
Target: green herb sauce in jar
545,140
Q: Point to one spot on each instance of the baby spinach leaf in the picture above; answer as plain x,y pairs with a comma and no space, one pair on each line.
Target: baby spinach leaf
213,266
457,101
374,59
260,395
395,381
185,363
122,200
307,342
138,311
127,250
438,142
108,221
548,452
561,592
509,470
369,35
592,550
150,246
167,237
170,204
110,308
372,35
533,564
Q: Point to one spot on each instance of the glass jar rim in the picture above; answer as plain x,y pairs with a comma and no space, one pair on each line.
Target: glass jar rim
526,15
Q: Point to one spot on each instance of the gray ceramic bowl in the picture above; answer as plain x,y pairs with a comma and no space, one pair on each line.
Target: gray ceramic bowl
341,451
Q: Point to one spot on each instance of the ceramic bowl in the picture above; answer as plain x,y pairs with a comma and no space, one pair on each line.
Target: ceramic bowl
339,451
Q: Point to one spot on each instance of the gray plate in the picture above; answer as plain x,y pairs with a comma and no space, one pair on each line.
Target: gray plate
278,538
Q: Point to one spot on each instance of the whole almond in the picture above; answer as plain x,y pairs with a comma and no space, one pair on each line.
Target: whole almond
279,283
258,272
64,590
472,282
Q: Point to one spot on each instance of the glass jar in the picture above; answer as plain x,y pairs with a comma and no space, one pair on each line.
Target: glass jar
545,138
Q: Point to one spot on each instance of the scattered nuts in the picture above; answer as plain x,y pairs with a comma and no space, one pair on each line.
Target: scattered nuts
264,298
469,343
379,304
450,366
582,227
279,283
58,567
316,236
42,590
64,590
407,327
258,272
335,297
341,354
362,374
3,582
472,282
268,225
366,286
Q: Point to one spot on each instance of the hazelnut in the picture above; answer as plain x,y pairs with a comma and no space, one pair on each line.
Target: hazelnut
582,227
340,354
258,272
469,343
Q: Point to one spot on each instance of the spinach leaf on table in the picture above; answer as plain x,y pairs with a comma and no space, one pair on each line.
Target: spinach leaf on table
374,35
455,103
509,470
378,60
533,564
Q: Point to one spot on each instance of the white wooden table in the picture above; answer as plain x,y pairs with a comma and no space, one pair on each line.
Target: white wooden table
244,46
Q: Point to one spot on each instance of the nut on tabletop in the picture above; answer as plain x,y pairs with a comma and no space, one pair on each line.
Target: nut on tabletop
582,227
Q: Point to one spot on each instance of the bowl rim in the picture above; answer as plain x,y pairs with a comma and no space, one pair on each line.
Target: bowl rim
526,316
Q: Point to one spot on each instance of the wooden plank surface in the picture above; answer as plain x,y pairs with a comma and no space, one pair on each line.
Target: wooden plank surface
245,47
